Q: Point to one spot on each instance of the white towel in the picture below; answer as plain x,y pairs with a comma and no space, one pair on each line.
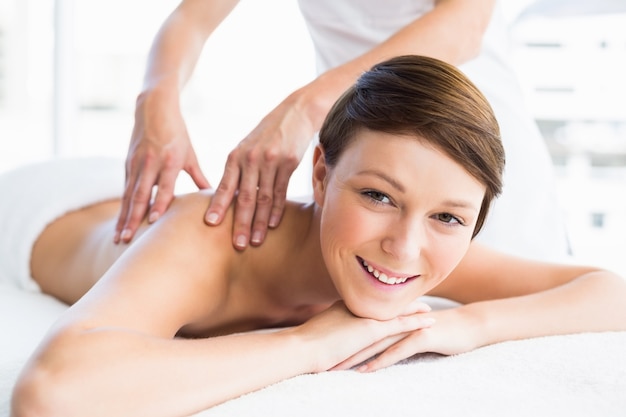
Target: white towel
34,195
577,375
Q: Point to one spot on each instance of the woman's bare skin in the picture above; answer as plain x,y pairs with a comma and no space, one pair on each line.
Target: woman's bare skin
74,251
393,219
82,231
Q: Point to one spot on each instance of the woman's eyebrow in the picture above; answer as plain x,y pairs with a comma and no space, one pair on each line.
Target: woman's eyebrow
395,184
459,204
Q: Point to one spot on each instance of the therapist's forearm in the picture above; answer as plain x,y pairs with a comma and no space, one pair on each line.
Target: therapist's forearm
173,56
177,46
452,32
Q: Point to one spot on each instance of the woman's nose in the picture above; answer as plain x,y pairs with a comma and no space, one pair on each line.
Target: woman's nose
405,239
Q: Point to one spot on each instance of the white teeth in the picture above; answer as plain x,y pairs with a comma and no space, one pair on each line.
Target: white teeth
382,277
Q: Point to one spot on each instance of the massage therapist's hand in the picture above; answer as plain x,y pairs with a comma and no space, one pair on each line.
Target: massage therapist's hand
159,149
257,173
453,332
336,334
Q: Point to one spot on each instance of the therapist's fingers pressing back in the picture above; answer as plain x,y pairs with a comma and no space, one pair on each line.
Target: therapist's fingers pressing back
258,186
142,177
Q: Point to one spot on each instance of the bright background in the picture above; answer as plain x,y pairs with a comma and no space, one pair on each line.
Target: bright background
70,71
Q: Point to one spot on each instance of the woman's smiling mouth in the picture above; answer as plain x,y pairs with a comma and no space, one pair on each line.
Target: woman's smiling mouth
383,277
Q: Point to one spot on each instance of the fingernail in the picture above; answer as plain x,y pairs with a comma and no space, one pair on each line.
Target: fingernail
125,236
429,321
274,221
256,237
241,241
212,218
154,216
116,238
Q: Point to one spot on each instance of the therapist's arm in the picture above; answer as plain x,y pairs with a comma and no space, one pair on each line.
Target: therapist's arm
160,146
453,32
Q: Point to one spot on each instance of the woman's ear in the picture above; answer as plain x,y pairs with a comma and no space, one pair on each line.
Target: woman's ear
320,171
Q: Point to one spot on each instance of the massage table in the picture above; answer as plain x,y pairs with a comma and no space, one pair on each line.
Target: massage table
566,376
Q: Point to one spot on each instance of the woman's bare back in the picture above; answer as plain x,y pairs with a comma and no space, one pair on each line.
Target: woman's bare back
75,250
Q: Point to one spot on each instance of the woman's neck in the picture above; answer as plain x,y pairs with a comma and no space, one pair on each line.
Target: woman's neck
300,277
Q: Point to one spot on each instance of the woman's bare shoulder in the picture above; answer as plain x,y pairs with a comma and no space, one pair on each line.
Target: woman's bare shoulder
190,209
178,262
197,200
186,212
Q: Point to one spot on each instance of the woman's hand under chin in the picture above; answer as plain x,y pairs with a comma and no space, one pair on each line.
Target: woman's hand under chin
336,335
454,331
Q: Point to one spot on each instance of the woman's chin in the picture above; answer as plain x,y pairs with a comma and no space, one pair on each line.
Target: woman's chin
367,312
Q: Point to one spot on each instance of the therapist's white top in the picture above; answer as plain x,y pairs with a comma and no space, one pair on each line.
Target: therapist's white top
525,219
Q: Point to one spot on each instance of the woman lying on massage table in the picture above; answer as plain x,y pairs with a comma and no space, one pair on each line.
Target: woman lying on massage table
408,163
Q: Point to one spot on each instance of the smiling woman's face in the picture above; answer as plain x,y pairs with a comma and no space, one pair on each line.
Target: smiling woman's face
397,218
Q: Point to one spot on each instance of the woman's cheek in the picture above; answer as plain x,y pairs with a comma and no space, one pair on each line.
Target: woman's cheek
450,252
346,219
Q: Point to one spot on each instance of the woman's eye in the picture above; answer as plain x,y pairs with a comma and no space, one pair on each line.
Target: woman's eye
378,197
448,218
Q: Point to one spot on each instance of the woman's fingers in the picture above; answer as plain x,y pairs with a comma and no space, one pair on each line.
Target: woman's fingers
402,349
367,353
417,306
395,331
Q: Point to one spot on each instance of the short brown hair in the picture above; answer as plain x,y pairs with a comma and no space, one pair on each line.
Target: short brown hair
425,97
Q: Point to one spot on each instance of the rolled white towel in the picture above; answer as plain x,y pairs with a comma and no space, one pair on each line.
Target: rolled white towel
33,195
